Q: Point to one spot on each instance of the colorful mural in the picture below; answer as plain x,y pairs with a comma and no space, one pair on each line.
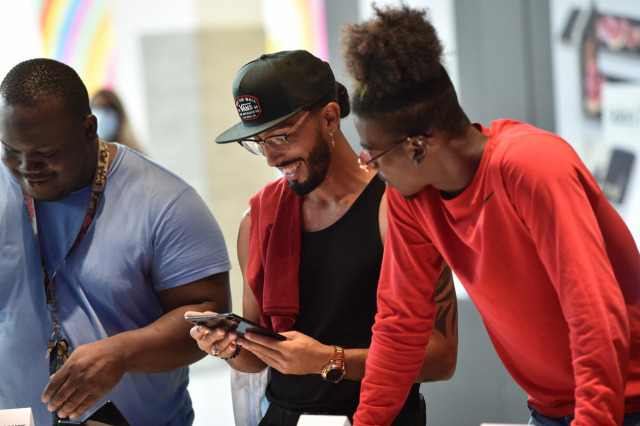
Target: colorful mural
80,34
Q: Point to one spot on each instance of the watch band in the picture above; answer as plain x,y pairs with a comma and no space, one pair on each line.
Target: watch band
338,357
334,371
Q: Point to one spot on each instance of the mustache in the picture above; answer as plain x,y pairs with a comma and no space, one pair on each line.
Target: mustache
32,176
286,163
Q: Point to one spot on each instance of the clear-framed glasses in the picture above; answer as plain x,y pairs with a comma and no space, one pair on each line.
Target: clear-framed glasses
278,143
366,159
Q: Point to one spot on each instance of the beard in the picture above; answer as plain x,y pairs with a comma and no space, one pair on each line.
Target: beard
318,165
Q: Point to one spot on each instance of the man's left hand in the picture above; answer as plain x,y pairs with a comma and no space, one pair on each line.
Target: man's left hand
299,354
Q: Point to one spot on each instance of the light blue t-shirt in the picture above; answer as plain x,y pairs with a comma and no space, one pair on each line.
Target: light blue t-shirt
151,232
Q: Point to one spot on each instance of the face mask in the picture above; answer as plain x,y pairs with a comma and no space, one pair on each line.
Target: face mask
108,123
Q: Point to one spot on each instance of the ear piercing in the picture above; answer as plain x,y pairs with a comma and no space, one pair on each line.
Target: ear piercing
418,160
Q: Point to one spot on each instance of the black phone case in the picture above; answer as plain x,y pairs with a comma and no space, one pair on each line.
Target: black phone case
233,322
106,415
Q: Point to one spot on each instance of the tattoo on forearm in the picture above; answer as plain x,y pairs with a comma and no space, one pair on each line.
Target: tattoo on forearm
446,303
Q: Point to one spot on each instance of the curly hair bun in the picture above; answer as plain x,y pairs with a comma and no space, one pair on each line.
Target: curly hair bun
395,60
396,51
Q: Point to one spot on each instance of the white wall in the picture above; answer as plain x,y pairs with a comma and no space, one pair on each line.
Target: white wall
19,33
136,19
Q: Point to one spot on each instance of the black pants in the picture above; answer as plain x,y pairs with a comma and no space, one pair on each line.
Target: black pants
279,416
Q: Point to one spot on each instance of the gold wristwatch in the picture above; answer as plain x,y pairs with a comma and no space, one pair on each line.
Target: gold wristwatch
333,372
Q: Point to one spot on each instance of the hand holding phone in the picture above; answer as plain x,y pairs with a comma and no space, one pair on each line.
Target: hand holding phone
232,322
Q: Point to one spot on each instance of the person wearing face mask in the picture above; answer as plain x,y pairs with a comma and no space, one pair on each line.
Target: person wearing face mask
550,265
113,123
310,250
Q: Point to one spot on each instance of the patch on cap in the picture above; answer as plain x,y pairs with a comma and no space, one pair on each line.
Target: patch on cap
248,107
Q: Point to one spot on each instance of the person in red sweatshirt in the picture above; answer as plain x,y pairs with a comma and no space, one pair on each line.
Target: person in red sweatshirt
546,259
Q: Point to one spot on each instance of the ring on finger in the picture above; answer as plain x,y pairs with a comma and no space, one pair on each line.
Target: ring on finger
214,350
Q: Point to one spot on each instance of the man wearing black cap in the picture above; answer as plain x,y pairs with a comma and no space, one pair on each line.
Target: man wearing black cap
310,249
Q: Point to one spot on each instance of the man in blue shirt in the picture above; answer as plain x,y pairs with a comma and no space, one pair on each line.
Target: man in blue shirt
111,281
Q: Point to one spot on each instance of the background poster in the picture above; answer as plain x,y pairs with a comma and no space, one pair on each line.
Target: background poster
596,57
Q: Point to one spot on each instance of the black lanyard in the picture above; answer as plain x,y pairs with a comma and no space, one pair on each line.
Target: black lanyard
99,181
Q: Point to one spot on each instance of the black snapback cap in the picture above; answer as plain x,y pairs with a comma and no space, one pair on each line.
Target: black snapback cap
275,87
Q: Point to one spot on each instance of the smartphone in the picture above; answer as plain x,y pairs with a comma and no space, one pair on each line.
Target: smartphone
233,322
106,415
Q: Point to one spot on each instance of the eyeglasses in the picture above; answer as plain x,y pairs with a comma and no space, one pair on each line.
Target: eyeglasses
278,143
366,159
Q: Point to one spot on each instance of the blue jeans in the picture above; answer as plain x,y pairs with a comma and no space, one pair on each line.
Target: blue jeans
537,419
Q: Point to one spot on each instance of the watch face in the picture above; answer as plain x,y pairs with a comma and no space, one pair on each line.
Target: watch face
334,375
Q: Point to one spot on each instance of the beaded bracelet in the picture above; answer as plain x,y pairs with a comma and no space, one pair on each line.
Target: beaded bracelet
235,354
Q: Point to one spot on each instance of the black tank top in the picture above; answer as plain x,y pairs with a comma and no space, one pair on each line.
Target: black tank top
338,276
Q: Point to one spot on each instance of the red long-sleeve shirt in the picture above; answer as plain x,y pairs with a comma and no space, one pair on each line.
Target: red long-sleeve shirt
550,265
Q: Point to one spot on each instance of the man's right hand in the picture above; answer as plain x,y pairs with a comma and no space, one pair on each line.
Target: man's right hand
216,342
